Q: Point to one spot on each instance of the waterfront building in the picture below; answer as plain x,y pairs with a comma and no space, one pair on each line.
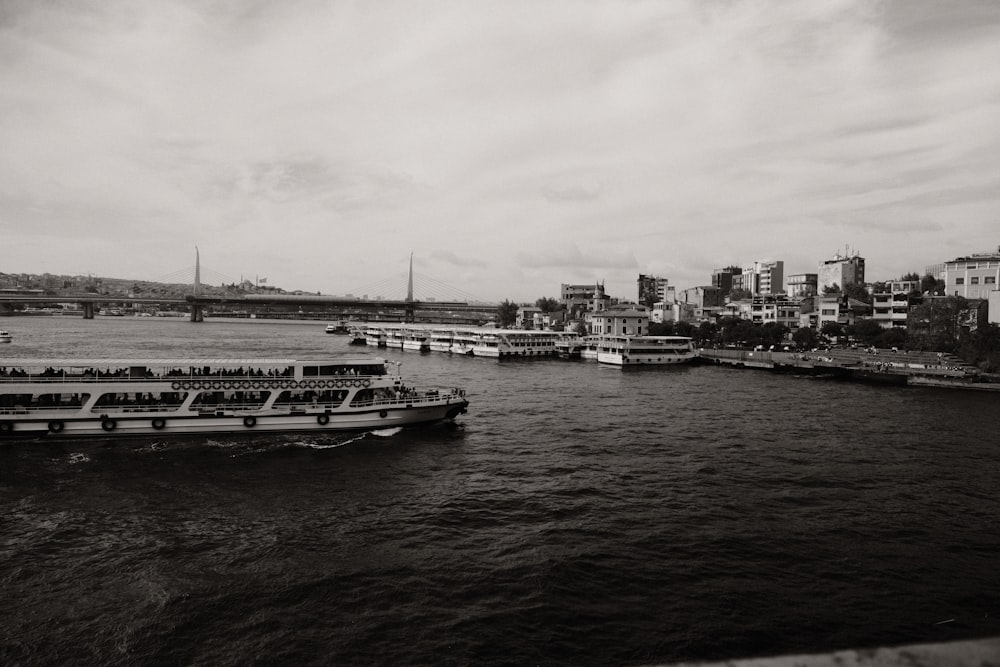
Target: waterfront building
580,299
891,305
802,285
628,320
775,309
842,270
974,276
839,308
665,311
723,279
526,317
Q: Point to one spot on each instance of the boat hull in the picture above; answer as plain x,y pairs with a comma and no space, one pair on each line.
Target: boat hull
164,424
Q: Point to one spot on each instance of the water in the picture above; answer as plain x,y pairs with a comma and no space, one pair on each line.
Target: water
576,515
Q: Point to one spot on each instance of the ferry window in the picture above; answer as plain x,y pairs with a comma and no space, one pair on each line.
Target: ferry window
975,280
959,281
310,371
991,280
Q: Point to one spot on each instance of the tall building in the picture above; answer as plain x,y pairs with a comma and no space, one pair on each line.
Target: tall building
723,279
653,290
770,276
842,270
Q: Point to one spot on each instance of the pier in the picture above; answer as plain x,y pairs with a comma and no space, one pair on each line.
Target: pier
902,367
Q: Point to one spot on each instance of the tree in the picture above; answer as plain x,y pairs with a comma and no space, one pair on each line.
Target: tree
547,304
935,324
832,329
831,289
661,328
506,314
867,331
805,338
931,285
911,277
857,292
739,294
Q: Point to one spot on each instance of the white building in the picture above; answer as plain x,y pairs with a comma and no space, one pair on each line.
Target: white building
628,321
973,277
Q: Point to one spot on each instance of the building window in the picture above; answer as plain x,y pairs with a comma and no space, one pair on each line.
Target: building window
991,280
975,280
959,281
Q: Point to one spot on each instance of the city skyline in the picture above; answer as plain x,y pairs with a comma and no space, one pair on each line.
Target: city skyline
509,146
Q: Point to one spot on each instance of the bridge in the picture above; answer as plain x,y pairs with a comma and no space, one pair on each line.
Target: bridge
408,309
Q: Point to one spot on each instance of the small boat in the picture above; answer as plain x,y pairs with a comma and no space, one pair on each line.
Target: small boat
338,328
5,336
140,397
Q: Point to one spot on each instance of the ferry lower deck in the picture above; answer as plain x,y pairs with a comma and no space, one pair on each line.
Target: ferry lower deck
134,397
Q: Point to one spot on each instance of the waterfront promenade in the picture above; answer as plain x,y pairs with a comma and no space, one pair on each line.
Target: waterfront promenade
869,364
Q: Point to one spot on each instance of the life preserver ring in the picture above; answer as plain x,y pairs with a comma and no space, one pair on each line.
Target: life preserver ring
159,423
383,413
6,427
56,426
175,385
249,422
366,383
109,425
323,420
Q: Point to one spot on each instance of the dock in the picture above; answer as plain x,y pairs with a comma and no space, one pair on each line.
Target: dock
900,367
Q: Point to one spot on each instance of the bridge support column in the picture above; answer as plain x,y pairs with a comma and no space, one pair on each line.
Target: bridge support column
197,315
88,310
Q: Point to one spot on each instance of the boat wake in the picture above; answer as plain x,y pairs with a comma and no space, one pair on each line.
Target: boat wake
328,445
386,432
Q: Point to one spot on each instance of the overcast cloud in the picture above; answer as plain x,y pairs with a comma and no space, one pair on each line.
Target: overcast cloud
510,145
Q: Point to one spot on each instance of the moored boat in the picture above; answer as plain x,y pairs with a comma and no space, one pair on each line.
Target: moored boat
5,336
133,397
644,350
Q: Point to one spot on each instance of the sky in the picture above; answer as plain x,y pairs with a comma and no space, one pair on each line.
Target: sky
510,146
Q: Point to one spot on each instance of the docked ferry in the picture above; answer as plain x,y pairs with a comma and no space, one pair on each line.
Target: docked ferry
515,343
133,397
644,350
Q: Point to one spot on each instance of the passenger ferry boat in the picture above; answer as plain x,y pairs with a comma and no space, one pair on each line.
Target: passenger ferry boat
375,337
441,340
644,350
133,397
417,340
463,342
515,343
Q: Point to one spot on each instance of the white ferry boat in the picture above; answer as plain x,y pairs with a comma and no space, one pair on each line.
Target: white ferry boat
417,340
441,340
133,397
464,341
589,348
394,337
375,337
515,343
644,350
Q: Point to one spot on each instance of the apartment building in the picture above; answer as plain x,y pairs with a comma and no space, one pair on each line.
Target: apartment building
973,277
841,271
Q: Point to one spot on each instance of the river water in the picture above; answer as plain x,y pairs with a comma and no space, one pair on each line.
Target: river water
576,515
